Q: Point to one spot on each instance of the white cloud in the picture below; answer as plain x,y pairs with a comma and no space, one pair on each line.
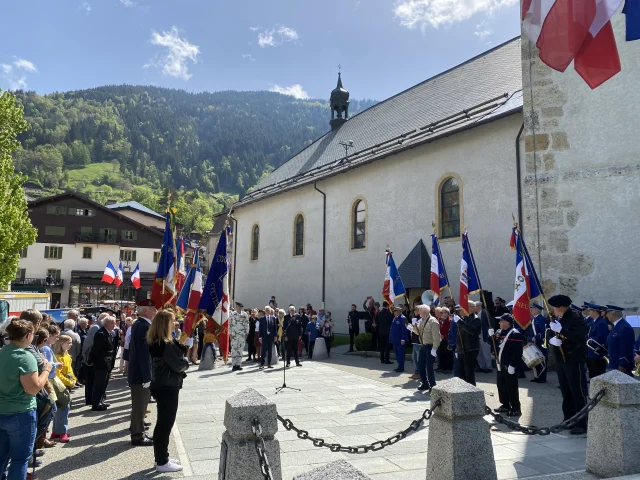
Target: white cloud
248,56
483,30
422,13
273,37
294,90
127,3
179,51
86,7
7,69
25,65
15,75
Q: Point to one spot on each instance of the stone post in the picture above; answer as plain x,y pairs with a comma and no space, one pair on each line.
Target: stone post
320,349
208,361
613,442
238,456
340,469
459,445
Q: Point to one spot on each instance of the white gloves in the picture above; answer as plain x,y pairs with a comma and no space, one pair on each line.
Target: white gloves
434,352
491,332
410,327
185,359
555,341
456,354
555,326
511,370
146,385
188,342
456,318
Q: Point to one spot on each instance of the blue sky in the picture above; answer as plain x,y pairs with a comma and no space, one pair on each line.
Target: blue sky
293,46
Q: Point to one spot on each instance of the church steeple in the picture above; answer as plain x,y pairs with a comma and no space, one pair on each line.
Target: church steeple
339,103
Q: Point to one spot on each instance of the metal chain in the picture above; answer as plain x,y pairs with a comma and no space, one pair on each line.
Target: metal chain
265,468
567,424
379,445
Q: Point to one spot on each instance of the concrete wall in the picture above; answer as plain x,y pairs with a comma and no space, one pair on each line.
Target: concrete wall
401,193
582,188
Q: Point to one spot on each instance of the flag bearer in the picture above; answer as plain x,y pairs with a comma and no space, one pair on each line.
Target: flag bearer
510,343
620,342
399,337
239,329
537,330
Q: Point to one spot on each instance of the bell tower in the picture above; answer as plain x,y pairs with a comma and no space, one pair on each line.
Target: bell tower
339,103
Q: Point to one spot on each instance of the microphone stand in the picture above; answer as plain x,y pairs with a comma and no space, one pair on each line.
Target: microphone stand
284,375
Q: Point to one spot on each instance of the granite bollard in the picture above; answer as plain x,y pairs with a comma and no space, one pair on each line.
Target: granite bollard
320,349
459,445
338,470
238,456
208,361
613,442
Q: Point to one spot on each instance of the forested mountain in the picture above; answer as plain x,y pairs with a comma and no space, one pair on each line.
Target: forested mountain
163,138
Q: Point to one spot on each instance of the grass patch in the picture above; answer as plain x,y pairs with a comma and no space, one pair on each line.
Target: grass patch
339,339
93,173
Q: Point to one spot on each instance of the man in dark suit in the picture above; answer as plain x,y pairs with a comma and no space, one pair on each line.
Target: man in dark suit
292,331
384,320
140,372
353,319
100,359
268,330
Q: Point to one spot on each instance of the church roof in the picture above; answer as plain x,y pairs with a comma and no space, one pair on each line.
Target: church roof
415,270
480,90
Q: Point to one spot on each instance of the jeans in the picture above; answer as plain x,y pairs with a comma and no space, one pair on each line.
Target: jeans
399,351
415,357
425,365
61,420
167,405
17,434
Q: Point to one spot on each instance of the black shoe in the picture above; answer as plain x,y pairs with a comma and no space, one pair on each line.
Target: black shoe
239,368
424,387
501,409
287,366
578,431
99,408
298,364
351,350
398,370
143,442
487,370
514,413
106,404
389,363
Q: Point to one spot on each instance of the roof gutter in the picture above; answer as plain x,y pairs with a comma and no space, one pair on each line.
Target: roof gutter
519,176
324,239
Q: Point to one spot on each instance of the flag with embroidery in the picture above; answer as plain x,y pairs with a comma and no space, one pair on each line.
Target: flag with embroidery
392,286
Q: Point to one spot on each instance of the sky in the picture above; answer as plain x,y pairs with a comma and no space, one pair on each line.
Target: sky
290,46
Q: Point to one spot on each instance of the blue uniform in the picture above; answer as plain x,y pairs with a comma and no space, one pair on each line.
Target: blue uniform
451,340
535,335
599,331
621,343
397,333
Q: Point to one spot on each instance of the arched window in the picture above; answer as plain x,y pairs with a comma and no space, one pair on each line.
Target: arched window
255,242
359,219
450,208
298,236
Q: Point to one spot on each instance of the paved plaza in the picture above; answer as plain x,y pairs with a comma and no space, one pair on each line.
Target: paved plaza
351,400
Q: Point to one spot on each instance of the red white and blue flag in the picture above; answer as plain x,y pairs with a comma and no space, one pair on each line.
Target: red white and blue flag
392,287
135,277
182,270
439,280
119,278
527,286
109,274
190,295
164,283
469,282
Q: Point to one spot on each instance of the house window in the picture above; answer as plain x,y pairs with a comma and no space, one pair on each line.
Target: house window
54,231
450,208
108,235
82,212
56,210
298,236
53,253
255,242
21,274
23,252
54,274
129,235
86,252
128,255
359,215
156,257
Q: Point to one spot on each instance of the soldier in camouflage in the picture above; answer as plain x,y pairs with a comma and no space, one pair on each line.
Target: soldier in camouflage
239,329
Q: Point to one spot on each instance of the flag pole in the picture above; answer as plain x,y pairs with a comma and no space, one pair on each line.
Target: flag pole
444,269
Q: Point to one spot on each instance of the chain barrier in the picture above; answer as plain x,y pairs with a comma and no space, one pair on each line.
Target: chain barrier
567,424
265,468
379,445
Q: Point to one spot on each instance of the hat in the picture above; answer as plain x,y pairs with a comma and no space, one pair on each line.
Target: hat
506,317
614,308
536,305
577,308
511,304
560,301
457,307
109,310
593,306
238,304
397,307
145,302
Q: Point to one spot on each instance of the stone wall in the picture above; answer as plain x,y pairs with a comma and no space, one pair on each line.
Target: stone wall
581,177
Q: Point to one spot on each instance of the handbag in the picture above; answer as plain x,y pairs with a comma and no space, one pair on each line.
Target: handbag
63,396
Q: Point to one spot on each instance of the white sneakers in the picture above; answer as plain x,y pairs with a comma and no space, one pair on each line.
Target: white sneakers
172,465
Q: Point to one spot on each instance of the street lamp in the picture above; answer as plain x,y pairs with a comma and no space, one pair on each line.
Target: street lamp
347,146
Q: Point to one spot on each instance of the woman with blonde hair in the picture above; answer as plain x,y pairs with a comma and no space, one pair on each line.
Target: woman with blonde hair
65,375
169,365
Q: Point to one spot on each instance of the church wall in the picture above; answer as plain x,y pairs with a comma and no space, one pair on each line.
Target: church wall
400,193
581,186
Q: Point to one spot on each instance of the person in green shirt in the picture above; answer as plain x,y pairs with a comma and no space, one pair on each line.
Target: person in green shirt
20,381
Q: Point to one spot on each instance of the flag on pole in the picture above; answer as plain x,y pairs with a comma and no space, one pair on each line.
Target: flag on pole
469,283
190,295
163,288
135,277
215,295
182,299
109,274
182,271
522,289
439,280
392,286
119,277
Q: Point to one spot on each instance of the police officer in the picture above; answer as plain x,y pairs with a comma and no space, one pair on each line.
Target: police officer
567,340
536,333
239,328
621,340
597,340
510,343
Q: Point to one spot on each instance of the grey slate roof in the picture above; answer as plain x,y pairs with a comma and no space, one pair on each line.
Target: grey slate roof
415,270
133,205
480,90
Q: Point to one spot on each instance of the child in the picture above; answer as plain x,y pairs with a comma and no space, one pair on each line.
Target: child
66,376
312,333
510,344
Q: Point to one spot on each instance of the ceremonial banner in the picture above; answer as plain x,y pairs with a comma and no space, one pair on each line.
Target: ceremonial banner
392,286
439,280
190,296
182,271
119,277
163,288
109,274
522,284
135,277
469,283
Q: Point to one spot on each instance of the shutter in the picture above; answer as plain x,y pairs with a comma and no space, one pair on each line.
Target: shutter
46,252
59,253
133,255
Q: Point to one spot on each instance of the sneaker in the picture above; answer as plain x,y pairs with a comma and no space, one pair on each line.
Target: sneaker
38,463
54,436
32,476
39,452
175,461
64,438
169,467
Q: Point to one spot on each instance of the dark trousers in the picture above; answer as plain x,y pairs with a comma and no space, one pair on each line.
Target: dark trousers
573,385
425,365
352,336
445,357
467,366
267,349
374,339
327,342
167,405
312,344
252,347
200,346
88,383
383,342
139,403
100,382
508,388
305,342
596,366
292,347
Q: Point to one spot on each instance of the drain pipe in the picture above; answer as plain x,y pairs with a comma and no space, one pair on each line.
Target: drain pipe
235,251
324,238
518,178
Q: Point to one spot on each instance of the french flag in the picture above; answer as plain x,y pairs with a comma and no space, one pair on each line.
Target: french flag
109,274
119,278
135,277
522,290
439,280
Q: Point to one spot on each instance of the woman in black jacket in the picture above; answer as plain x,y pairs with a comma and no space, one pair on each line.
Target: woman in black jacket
169,365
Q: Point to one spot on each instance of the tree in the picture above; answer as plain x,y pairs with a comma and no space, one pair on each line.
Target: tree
16,231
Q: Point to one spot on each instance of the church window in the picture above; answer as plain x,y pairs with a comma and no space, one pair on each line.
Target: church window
450,208
255,242
298,236
359,224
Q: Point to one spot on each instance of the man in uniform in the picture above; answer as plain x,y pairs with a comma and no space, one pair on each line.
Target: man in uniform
510,342
292,332
597,341
537,331
567,340
239,328
467,344
399,337
621,340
